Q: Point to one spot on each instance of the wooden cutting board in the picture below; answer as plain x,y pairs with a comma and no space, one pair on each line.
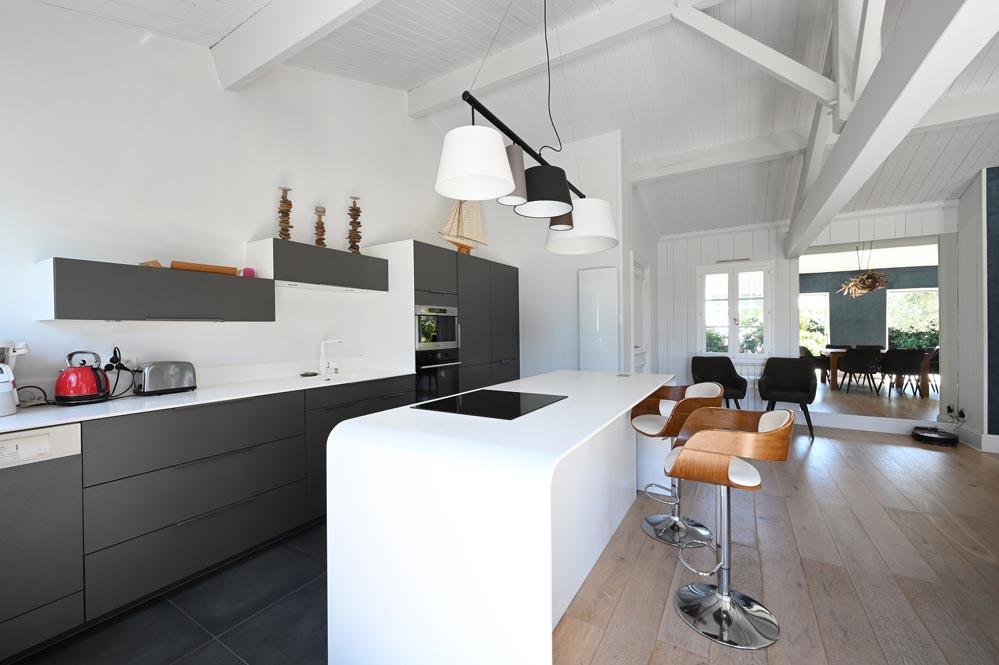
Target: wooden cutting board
203,267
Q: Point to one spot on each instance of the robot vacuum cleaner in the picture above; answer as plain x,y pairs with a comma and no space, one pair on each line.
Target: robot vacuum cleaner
934,436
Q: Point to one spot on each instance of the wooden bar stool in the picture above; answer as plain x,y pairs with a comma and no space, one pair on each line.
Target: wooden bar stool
662,415
715,445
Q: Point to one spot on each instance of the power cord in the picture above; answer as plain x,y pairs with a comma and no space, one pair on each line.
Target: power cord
36,402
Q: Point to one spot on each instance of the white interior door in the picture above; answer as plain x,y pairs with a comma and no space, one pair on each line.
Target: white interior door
640,328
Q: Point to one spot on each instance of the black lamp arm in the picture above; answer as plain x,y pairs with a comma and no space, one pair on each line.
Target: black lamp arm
510,134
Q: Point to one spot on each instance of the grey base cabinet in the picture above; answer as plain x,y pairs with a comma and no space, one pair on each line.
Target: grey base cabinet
336,404
505,370
26,630
473,377
139,567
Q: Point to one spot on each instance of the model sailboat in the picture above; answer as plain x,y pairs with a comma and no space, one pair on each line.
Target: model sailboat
464,226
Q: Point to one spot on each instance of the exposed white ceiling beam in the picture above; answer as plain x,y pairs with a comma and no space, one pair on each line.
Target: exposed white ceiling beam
281,29
845,40
577,38
819,136
758,149
772,61
933,42
868,44
947,112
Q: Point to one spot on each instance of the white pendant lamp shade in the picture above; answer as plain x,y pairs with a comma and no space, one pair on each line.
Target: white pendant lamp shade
593,230
474,165
515,155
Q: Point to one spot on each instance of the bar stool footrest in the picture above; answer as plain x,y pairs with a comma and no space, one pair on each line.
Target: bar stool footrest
689,566
671,501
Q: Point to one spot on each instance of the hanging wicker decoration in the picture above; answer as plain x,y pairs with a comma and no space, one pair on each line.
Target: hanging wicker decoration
864,283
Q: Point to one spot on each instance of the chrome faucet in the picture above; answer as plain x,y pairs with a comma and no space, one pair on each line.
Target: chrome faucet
325,363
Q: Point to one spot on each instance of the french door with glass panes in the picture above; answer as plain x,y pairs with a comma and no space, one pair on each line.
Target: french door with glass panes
734,309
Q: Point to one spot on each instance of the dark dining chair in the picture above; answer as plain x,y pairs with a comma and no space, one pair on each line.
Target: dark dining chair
905,363
863,362
719,369
869,347
789,380
934,368
820,361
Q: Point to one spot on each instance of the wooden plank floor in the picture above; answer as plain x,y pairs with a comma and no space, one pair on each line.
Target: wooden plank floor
869,548
860,401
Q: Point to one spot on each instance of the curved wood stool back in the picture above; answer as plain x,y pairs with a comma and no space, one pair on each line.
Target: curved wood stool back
648,419
716,443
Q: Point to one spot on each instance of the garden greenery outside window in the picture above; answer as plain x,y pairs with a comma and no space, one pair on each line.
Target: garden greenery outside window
913,317
813,322
734,310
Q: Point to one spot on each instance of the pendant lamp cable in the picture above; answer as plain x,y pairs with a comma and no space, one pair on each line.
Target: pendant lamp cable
565,86
488,51
548,64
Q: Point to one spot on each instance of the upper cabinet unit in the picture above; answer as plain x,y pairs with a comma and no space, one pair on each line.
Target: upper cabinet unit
308,266
505,313
436,269
72,289
474,313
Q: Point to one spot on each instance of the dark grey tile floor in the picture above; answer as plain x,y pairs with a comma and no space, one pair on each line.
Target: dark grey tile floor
266,609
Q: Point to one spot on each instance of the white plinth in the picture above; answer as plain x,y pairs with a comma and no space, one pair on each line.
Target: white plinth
455,539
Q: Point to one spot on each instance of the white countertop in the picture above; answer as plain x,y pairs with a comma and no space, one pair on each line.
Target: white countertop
48,416
594,400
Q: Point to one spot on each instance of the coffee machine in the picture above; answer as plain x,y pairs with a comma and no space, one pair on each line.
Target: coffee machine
9,351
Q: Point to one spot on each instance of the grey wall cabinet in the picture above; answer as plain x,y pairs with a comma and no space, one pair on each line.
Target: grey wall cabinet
331,406
474,309
473,377
436,269
308,264
505,312
91,290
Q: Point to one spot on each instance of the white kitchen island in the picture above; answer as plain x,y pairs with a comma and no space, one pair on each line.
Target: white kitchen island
456,539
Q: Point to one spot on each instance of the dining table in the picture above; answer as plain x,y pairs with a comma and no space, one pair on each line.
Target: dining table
835,353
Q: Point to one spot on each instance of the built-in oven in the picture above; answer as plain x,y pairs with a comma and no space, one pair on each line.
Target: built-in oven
436,374
436,328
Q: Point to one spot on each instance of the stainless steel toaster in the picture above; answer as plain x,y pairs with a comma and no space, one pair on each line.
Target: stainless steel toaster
164,376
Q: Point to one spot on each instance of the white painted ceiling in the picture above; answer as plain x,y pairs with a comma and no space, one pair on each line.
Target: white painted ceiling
669,90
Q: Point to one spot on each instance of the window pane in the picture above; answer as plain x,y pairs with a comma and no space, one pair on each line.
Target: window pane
750,312
751,284
716,340
751,340
913,318
813,321
716,286
716,313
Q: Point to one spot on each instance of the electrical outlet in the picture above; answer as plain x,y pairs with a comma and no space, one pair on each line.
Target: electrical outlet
130,362
950,409
961,414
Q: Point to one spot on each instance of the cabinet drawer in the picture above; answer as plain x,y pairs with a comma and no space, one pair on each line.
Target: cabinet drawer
319,424
121,574
322,398
27,630
117,511
125,446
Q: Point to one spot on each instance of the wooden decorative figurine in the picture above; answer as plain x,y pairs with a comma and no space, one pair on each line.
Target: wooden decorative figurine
354,236
284,214
320,227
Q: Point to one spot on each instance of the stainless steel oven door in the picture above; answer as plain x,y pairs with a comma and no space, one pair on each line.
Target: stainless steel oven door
436,328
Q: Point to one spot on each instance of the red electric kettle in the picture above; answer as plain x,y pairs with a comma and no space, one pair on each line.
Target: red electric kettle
81,383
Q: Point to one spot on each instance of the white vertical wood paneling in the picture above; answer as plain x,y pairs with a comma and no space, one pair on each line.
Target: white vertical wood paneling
885,224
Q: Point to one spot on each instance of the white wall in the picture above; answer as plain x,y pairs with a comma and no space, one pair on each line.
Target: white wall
121,146
971,379
549,310
638,243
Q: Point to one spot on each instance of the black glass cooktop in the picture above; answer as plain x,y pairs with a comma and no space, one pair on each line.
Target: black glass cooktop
499,404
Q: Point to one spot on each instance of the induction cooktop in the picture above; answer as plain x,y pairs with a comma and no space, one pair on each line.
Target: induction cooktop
499,404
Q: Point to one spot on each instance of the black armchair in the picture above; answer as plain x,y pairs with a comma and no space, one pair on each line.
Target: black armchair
789,380
719,369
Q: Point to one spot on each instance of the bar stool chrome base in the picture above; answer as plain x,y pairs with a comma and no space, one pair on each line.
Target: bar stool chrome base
675,531
736,621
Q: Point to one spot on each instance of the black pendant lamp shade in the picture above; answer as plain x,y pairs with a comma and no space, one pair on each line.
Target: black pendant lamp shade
561,223
547,193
